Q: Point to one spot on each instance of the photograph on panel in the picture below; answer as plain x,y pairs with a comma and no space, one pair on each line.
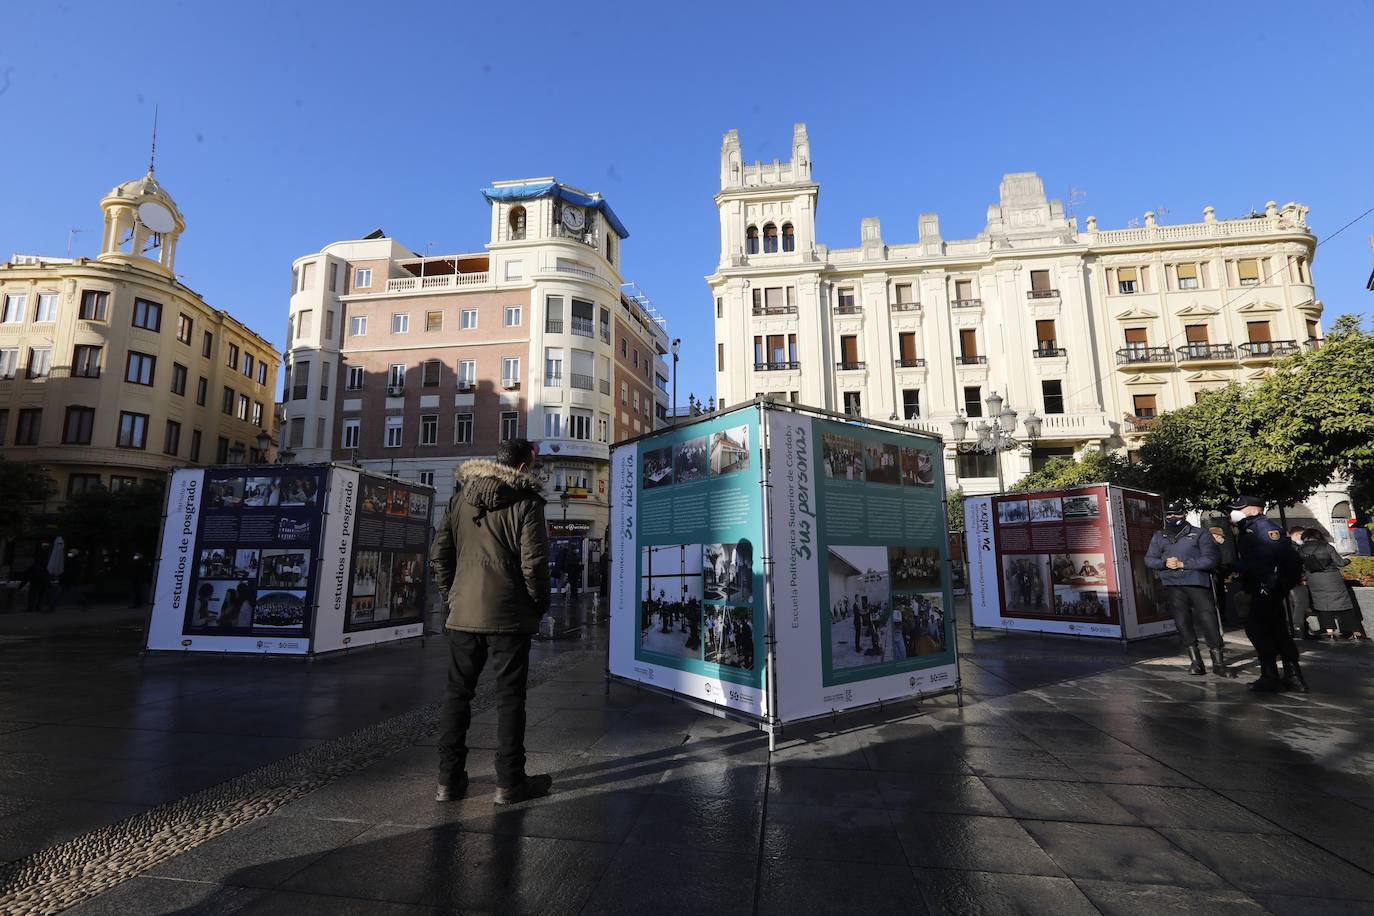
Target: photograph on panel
670,592
860,606
729,636
730,451
918,625
728,572
1026,583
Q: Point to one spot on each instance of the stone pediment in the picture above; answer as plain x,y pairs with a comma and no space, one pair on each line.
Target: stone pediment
1253,307
1256,375
1136,312
1198,310
1145,379
1207,377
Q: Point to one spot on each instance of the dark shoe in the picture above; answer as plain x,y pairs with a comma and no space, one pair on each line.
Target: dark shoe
453,789
1197,667
1292,678
1219,662
1268,681
532,787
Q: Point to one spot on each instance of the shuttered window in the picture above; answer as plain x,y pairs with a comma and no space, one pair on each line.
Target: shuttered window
968,342
1144,405
1258,331
1248,271
1045,335
906,345
1196,333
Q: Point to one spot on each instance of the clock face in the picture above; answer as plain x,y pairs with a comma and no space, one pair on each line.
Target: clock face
573,219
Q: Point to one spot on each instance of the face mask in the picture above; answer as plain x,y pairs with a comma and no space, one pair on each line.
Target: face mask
1174,524
1237,516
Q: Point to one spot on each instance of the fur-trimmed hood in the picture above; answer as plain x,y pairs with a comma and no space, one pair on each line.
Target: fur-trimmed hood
489,485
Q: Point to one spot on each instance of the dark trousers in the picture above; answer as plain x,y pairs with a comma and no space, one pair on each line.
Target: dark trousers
510,656
1299,607
1194,614
1347,621
1267,627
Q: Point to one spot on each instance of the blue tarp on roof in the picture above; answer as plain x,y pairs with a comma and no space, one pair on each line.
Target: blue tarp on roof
537,189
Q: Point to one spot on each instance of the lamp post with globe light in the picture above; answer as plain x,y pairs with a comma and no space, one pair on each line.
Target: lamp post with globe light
996,436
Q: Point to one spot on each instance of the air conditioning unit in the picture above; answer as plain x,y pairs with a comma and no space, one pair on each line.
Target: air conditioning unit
465,385
395,391
510,383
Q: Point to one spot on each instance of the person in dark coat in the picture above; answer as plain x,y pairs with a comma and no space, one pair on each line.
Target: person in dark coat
491,561
1299,599
1185,557
1268,567
1331,599
37,578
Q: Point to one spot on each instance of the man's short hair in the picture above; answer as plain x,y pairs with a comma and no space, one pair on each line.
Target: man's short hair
515,452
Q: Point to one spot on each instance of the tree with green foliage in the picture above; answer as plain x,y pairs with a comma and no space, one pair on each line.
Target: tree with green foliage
114,525
954,511
1095,466
22,484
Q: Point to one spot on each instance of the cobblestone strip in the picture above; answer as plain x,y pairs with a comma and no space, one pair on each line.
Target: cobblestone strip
61,876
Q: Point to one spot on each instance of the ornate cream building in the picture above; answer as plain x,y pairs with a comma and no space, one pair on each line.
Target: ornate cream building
113,371
1095,331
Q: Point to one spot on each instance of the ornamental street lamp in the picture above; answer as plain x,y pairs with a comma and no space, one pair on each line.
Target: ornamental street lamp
677,344
563,500
997,436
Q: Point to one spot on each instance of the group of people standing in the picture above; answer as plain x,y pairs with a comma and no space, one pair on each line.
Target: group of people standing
1323,591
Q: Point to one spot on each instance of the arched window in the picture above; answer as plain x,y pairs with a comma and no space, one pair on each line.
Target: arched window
789,240
751,241
770,239
517,223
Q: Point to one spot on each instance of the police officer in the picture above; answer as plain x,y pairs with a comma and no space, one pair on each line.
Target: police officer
1185,557
1268,568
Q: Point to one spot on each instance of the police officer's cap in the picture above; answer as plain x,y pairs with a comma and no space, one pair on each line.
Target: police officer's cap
1240,502
1175,507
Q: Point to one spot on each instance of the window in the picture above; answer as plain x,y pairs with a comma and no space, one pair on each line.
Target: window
579,424
233,360
226,404
256,418
720,307
553,367
434,321
47,307
911,403
849,350
140,368
222,450
133,430
903,291
624,349
462,429
1258,331
975,465
429,373
354,379
1314,332
624,393
789,238
1046,340
93,304
30,424
1040,281
720,357
968,343
307,275
553,424
973,401
1137,341
429,429
425,477
248,365
80,483
1052,390
362,278
15,306
846,300
963,290
119,482
400,323
469,319
40,362
634,397
86,363
178,379
76,429
553,315
242,411
906,348
9,362
467,374
751,240
305,321
394,431
329,324
171,439
351,428
195,446
1196,335
516,221
512,316
147,315
202,387
262,372
853,404
1187,276
1144,405
636,357
510,371
603,428
510,425
770,239
207,344
357,326
1042,456
395,376
184,326
1126,279
334,277
1247,271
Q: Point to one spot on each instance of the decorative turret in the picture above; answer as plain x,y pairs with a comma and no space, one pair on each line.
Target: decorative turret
142,225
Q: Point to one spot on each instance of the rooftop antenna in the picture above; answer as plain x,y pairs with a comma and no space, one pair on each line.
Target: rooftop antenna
1076,196
71,236
152,156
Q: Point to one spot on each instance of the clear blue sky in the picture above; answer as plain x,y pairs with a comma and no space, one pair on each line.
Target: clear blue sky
286,126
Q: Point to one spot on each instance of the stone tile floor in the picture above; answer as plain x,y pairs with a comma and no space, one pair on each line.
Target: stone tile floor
1079,777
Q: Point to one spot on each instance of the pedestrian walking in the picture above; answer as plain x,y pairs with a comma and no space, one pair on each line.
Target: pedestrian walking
1268,567
491,560
1331,597
37,580
1185,557
1299,599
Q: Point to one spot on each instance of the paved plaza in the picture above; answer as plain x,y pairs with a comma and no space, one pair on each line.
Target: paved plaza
1079,777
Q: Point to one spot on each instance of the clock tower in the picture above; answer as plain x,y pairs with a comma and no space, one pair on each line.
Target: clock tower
142,226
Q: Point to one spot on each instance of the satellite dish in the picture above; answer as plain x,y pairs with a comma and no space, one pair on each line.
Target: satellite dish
156,217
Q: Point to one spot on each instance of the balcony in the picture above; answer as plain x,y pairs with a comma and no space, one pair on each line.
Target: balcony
1206,352
1139,423
466,384
583,327
585,382
1267,349
1042,294
553,380
965,303
906,306
510,383
1314,343
912,363
553,325
605,334
439,282
1132,355
849,310
971,360
776,310
847,366
775,367
1049,352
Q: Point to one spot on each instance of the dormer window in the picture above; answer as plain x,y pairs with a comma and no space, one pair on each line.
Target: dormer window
751,240
789,239
770,239
517,223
